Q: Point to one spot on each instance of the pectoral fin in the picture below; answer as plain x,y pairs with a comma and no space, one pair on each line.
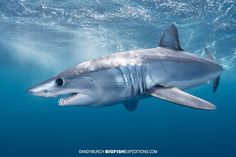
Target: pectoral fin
180,97
131,105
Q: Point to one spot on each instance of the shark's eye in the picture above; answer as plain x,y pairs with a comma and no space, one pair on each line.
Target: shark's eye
59,82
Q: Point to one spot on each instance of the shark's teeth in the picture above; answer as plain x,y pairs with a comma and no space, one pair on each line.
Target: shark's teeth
63,101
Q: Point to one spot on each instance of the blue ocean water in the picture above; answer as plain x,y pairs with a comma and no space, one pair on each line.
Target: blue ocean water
40,38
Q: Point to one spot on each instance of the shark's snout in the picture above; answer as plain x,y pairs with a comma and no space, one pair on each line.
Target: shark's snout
38,91
30,91
43,89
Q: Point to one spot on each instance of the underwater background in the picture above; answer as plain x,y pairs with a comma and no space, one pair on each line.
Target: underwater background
40,38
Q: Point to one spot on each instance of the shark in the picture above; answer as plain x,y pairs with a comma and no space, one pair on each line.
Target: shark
164,72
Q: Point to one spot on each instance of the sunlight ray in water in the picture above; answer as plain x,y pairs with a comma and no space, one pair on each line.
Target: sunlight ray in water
111,26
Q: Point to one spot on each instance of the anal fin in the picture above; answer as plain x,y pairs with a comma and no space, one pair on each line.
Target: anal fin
180,97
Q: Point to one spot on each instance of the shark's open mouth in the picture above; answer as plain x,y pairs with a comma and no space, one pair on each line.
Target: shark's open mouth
67,99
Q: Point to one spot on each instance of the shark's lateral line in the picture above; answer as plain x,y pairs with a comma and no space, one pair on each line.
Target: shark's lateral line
126,77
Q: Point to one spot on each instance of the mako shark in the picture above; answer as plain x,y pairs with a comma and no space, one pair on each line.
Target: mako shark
126,77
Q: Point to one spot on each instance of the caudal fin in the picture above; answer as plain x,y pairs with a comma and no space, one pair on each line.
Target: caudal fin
215,84
216,81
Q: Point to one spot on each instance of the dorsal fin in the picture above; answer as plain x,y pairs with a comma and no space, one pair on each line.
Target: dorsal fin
170,39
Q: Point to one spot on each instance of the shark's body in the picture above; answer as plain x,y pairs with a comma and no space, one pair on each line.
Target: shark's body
127,77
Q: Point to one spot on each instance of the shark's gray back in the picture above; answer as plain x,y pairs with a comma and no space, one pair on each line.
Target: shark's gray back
131,58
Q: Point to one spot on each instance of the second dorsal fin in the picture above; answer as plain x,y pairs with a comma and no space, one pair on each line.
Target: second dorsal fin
170,39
